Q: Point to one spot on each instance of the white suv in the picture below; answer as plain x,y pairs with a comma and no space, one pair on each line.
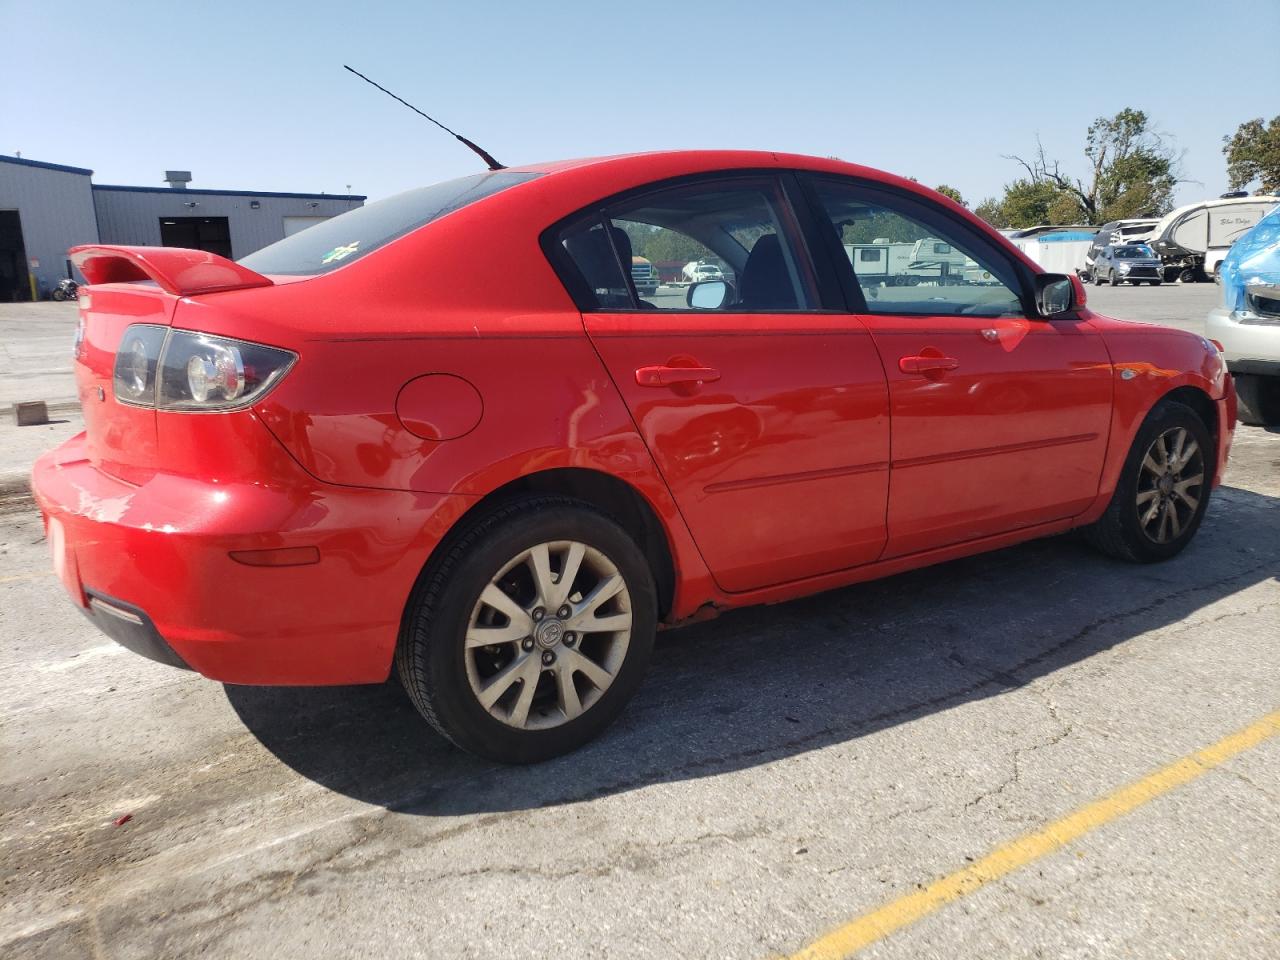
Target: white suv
1250,338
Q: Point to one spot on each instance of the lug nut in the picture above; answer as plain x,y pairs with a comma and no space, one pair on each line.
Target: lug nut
527,643
563,612
538,613
548,658
570,639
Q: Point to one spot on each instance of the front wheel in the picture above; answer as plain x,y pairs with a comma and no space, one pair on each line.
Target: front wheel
529,637
59,295
1163,489
1115,281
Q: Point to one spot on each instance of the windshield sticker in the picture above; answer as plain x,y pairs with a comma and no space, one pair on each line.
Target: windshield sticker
338,253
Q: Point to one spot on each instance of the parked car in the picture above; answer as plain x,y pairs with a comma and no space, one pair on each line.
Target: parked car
299,469
1130,262
1247,325
1116,232
697,271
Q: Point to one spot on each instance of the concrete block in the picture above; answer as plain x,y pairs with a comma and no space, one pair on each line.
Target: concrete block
30,414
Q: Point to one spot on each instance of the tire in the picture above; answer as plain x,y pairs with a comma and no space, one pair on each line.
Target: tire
59,295
445,678
1154,283
1115,281
1097,279
1187,276
1136,526
1257,399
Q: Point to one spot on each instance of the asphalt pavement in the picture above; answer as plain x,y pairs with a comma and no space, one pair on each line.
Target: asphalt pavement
1038,752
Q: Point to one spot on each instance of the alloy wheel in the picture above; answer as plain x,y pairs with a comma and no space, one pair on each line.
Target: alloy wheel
548,635
1170,485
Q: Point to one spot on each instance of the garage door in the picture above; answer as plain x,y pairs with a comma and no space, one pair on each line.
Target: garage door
294,224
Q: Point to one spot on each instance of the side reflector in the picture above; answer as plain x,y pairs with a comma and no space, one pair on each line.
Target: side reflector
282,557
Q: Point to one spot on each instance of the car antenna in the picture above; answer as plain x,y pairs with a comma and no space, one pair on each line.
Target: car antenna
479,151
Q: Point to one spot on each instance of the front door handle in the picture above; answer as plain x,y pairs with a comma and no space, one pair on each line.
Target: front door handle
927,364
667,376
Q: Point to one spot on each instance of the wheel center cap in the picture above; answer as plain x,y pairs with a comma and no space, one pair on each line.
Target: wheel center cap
549,633
1166,484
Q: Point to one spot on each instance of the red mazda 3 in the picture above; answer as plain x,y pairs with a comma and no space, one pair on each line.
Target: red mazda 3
445,433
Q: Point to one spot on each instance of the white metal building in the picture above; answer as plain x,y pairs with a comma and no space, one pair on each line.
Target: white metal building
45,208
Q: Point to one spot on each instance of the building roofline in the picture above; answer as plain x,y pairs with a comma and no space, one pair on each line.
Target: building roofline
40,164
171,192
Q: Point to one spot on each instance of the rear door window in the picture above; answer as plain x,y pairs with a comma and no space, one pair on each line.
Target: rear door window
736,231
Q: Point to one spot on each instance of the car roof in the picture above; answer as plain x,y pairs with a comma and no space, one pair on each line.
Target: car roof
643,168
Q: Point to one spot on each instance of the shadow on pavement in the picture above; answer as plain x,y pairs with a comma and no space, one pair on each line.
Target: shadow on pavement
765,683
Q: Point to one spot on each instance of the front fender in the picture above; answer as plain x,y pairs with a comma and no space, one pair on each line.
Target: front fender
1148,363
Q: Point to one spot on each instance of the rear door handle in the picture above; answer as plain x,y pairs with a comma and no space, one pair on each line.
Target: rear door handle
927,365
665,376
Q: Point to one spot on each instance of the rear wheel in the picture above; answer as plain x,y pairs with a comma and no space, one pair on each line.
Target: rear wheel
1163,489
531,635
1257,399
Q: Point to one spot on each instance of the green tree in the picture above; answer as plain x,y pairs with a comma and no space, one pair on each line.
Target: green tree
1133,171
1026,203
672,245
1254,154
992,211
951,192
883,226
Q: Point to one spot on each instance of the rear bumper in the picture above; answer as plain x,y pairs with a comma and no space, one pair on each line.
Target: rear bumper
130,627
152,566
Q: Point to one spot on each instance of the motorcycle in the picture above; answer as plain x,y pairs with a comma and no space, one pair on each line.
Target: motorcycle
66,289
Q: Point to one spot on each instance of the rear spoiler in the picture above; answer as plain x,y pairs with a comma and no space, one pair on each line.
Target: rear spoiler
177,270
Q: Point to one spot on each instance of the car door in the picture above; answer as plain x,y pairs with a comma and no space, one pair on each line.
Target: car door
765,408
1000,417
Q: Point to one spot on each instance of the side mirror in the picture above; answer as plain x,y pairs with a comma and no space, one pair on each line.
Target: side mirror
1055,294
707,294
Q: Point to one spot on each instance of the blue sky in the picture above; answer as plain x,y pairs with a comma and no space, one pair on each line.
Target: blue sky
253,95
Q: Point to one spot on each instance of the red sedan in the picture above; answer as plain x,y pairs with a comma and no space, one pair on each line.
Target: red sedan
444,433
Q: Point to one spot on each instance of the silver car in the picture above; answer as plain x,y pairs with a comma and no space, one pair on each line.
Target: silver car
1134,262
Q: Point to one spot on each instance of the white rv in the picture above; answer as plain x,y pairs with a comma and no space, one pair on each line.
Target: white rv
930,260
1192,240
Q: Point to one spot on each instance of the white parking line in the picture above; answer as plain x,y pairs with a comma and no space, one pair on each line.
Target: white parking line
84,656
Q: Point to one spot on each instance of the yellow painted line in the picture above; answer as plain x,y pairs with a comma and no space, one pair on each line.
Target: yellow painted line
26,576
878,924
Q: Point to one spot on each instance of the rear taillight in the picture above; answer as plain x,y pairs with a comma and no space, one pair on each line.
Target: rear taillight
183,370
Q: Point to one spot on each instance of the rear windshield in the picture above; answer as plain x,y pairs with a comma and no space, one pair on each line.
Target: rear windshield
350,236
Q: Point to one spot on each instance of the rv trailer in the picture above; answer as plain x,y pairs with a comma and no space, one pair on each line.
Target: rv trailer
1192,240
